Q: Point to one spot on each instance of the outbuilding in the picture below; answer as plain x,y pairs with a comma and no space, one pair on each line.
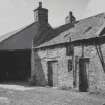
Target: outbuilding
16,47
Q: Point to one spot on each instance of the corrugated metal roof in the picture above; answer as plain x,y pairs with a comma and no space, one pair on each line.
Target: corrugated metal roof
7,35
83,29
22,38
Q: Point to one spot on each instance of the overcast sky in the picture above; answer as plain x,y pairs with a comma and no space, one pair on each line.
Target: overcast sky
15,14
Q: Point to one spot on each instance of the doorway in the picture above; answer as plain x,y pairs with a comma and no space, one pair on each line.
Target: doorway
53,73
15,66
83,77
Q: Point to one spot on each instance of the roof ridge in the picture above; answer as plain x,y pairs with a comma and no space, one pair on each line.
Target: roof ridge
102,13
80,20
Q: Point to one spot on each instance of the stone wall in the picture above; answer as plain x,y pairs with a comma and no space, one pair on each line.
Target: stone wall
64,78
37,72
95,73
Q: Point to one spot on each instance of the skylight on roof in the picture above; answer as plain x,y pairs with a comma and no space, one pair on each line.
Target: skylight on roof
89,28
67,34
102,32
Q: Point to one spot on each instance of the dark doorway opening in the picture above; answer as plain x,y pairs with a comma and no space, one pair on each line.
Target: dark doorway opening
15,66
52,73
83,80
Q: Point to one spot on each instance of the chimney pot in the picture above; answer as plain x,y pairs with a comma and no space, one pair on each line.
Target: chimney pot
40,4
70,18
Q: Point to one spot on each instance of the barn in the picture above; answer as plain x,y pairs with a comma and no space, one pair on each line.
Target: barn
16,47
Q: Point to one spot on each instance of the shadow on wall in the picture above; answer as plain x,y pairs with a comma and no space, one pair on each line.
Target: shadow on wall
37,73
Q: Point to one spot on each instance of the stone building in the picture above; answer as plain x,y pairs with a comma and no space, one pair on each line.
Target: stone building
74,57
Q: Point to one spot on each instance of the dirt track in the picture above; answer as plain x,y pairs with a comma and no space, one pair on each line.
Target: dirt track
19,95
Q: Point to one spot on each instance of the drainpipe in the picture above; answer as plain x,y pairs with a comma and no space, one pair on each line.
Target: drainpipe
73,64
82,56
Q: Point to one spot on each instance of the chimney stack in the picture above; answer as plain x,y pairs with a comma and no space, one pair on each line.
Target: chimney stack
41,14
70,18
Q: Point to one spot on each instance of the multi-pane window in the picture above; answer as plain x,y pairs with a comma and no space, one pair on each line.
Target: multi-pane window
70,64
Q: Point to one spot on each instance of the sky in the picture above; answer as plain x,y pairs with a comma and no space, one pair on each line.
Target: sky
15,14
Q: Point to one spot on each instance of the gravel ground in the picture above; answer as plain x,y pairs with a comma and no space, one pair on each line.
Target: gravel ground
20,95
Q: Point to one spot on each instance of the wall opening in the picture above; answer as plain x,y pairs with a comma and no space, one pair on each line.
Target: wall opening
83,75
53,73
15,65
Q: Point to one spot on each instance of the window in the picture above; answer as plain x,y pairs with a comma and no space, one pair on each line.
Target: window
69,65
69,50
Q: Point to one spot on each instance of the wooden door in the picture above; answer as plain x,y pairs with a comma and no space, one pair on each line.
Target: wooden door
83,80
52,73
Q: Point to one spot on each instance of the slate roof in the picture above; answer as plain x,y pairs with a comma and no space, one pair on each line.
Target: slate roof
22,38
50,34
82,29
